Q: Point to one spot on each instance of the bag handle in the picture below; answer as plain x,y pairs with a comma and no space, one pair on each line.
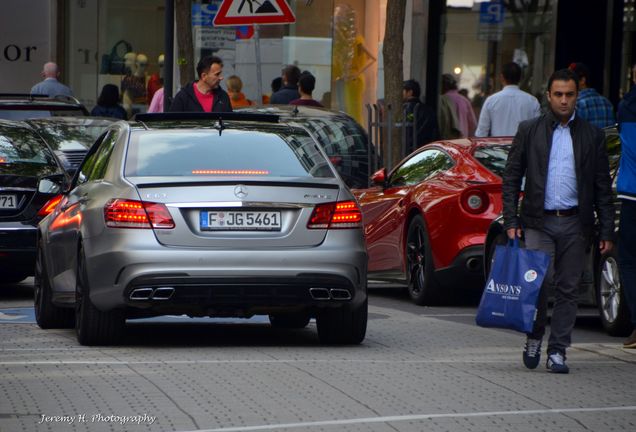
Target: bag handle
127,46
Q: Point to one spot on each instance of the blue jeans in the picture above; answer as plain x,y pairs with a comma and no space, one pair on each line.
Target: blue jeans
627,254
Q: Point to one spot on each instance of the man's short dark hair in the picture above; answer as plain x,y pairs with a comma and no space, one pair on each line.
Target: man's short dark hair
511,73
563,75
206,63
307,82
291,74
413,86
581,70
277,83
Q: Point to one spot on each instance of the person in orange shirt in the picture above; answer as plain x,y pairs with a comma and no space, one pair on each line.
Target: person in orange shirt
237,98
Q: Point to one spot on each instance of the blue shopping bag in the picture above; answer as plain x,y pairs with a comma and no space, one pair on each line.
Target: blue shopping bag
510,297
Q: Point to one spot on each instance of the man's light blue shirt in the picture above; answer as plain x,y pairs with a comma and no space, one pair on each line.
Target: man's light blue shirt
503,111
561,190
51,87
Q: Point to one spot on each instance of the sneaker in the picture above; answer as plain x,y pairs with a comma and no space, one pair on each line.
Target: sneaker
630,342
556,363
532,353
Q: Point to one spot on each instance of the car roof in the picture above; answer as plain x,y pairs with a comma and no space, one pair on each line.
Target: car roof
295,111
70,121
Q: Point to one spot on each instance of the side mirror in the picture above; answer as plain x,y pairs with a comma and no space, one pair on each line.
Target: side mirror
52,184
379,177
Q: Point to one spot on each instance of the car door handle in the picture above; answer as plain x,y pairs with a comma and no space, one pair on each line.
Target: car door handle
401,202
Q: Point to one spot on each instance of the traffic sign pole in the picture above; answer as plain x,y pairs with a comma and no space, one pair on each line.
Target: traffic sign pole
259,80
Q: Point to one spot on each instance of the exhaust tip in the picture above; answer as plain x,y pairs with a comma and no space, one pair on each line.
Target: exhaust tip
340,294
473,264
141,294
162,293
319,293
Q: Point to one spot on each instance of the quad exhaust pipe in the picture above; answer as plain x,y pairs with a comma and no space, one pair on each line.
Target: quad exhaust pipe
161,293
329,294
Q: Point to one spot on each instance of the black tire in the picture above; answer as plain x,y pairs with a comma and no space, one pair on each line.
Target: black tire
344,325
47,315
289,320
423,288
92,326
610,297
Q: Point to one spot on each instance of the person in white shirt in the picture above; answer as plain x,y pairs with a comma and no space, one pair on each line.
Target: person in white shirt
503,111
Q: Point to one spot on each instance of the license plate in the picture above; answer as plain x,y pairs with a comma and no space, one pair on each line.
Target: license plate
240,220
8,202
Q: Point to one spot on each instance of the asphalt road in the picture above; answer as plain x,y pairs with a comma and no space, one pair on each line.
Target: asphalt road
419,369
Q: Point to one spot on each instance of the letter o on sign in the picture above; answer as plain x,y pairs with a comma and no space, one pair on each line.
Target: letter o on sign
12,52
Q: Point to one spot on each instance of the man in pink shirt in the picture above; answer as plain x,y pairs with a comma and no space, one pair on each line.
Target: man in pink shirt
206,94
463,110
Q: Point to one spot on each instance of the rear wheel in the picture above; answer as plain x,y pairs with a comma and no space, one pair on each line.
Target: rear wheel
342,325
422,286
610,297
92,326
47,315
290,320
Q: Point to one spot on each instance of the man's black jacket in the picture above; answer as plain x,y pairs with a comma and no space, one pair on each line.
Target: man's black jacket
424,119
186,101
529,157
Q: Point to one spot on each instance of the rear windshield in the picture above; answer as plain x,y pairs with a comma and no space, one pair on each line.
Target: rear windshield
232,153
493,157
20,146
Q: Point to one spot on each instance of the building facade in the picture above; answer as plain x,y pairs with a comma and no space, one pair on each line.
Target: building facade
340,41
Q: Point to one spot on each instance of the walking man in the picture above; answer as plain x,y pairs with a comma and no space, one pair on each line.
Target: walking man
566,169
306,86
626,187
50,86
206,94
503,111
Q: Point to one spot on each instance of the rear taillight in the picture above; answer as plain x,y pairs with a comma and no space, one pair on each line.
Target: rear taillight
344,214
475,201
50,205
121,213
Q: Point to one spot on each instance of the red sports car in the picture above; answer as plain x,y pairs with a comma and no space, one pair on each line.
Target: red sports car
426,221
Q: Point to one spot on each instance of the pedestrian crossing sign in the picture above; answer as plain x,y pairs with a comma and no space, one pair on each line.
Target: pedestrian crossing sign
245,12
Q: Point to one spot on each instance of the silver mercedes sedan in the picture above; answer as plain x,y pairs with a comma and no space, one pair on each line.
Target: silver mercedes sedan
219,215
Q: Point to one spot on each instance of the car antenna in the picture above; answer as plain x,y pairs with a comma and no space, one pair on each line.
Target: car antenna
295,111
221,126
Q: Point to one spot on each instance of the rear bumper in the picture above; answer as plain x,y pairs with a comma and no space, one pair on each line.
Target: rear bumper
466,270
224,282
17,248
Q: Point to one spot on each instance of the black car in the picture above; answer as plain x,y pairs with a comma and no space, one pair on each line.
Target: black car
24,106
31,178
600,285
70,137
343,139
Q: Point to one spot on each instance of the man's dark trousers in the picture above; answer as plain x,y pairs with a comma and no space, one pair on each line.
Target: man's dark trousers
627,254
560,237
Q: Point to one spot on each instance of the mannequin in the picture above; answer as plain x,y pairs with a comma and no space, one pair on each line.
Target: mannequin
129,62
133,85
155,82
